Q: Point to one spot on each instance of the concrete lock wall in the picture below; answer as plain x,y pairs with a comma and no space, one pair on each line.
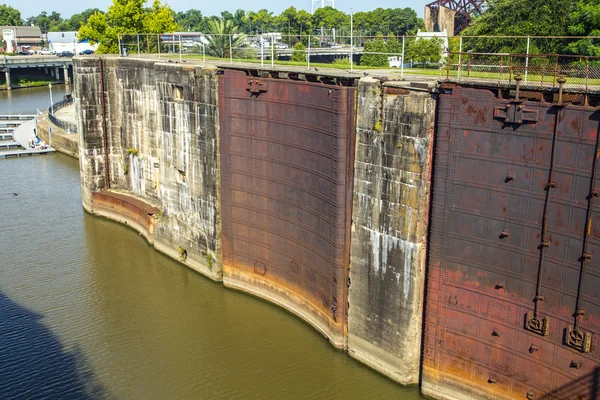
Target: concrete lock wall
150,134
391,199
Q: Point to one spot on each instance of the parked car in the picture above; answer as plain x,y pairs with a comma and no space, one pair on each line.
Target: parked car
325,44
282,46
86,52
46,52
24,53
66,54
336,46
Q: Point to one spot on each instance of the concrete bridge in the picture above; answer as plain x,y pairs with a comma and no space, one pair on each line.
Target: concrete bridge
443,234
51,65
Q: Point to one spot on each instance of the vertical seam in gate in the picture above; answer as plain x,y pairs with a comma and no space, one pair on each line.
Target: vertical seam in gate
586,257
544,243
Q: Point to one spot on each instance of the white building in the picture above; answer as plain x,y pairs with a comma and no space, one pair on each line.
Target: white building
68,41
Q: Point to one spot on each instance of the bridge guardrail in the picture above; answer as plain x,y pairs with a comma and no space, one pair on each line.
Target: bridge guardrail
67,126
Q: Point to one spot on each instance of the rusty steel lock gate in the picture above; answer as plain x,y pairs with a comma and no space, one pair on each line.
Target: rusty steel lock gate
287,156
513,296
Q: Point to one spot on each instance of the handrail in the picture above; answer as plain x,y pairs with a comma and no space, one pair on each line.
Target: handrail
67,126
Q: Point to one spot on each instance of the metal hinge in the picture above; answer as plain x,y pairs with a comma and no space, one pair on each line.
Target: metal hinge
516,113
535,325
578,340
256,87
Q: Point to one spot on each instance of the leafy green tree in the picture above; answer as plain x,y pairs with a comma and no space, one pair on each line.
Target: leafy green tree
329,17
123,17
375,60
521,18
398,21
585,21
77,20
299,53
218,41
424,50
191,20
262,21
160,19
10,15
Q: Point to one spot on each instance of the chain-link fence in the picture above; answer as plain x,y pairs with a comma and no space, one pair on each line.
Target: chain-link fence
537,70
540,60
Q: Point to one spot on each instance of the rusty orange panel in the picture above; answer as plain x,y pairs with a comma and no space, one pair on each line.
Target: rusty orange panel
126,207
513,298
287,153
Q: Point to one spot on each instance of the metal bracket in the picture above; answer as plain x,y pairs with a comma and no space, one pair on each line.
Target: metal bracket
256,87
535,325
516,113
578,340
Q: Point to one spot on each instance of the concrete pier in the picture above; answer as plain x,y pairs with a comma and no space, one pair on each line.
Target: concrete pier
7,75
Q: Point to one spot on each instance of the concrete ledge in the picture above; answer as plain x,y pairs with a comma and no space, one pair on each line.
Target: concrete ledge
194,260
60,140
452,387
287,300
381,361
144,217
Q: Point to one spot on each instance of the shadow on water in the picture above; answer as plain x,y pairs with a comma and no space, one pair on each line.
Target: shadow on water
33,363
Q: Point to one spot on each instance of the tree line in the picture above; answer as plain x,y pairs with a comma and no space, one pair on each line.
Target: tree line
536,18
398,21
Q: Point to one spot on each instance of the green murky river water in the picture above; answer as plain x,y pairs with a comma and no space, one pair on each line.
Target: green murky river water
89,310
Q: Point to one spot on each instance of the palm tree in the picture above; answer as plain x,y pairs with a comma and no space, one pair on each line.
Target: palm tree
219,38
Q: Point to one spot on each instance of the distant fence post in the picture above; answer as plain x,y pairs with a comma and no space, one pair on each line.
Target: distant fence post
262,51
158,44
459,57
272,52
120,50
527,59
138,43
402,62
180,47
230,51
308,53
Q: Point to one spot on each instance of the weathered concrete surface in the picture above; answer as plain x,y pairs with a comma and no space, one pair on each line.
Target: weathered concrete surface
391,200
151,130
66,143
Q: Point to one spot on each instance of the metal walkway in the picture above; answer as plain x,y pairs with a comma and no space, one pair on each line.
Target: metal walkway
15,132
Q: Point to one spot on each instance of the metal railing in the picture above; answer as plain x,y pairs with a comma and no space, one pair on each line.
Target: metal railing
582,73
69,127
539,60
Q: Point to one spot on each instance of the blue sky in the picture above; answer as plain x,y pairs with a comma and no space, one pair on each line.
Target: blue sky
211,7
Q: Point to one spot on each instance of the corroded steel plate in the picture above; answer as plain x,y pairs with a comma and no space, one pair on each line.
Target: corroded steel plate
513,224
287,152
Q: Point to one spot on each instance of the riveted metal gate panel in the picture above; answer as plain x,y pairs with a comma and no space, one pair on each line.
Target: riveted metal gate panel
513,296
287,155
